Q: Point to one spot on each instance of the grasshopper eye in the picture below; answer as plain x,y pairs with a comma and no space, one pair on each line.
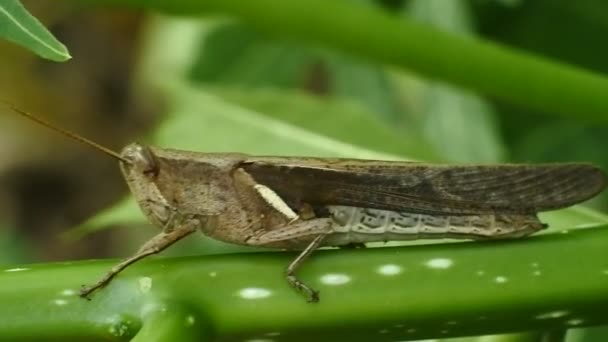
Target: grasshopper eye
141,159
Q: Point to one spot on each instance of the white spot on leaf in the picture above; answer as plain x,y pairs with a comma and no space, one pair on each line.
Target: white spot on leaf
440,263
575,321
335,279
501,280
254,293
145,284
553,314
390,269
17,269
190,320
118,329
68,292
60,302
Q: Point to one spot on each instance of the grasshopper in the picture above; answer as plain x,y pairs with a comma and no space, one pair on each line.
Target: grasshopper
299,203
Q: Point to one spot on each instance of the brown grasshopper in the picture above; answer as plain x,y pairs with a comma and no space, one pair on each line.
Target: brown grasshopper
304,203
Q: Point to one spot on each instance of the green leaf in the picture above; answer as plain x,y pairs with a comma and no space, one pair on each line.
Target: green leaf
353,100
235,56
125,211
340,118
19,26
201,121
460,125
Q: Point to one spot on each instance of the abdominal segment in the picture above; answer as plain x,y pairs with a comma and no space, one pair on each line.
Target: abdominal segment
360,225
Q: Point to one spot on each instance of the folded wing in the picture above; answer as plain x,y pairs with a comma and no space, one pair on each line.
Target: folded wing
428,188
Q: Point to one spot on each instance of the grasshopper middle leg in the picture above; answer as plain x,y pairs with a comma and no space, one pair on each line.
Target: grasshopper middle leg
318,228
311,294
289,230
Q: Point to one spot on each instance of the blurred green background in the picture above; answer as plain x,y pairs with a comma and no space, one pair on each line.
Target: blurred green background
216,84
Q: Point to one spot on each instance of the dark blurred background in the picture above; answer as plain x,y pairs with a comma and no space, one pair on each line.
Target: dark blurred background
49,184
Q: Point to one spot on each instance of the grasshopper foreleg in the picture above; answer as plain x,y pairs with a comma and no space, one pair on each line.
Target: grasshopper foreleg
155,245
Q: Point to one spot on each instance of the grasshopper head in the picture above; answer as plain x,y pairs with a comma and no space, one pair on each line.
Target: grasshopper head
141,169
139,159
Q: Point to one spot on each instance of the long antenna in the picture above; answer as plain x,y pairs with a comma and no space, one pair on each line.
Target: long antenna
67,133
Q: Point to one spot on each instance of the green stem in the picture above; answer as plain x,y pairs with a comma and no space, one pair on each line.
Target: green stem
544,283
481,65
